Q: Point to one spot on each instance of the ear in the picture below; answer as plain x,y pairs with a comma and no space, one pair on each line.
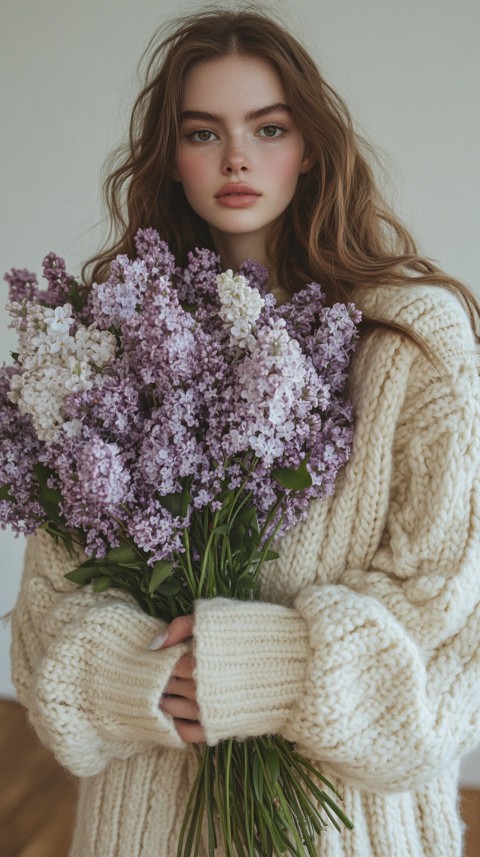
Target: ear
307,163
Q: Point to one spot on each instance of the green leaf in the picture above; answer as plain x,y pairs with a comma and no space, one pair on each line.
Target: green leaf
294,479
191,308
51,510
52,495
4,492
222,530
83,575
272,759
139,565
270,555
77,295
225,497
177,504
257,777
248,517
172,503
102,583
124,554
171,587
92,563
161,570
43,474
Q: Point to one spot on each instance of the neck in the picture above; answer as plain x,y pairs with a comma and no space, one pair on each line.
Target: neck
235,249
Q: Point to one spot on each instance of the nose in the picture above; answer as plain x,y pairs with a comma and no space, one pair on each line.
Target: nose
235,159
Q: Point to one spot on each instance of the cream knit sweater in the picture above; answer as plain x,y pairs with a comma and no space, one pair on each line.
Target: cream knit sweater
366,652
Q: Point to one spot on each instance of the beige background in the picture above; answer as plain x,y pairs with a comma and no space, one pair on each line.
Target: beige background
410,71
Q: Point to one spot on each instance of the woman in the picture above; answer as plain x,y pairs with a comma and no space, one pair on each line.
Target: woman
364,650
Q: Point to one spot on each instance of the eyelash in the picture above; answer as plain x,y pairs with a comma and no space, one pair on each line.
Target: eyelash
280,128
277,128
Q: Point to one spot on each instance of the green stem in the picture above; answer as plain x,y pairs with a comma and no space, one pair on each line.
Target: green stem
270,539
187,564
241,488
322,797
189,815
277,792
247,802
206,556
207,780
228,764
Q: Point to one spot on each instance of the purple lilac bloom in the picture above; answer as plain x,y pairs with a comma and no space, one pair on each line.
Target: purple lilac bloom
196,285
117,299
179,404
59,282
154,252
160,340
156,531
94,485
302,312
20,450
102,478
276,390
115,408
22,285
331,345
256,274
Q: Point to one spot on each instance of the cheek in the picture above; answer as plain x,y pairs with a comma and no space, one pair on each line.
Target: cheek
192,170
286,168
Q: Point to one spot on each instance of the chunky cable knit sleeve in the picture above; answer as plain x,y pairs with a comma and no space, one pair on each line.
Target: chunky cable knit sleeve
373,668
82,666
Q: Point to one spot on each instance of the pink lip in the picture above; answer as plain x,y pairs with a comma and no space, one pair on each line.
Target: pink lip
236,190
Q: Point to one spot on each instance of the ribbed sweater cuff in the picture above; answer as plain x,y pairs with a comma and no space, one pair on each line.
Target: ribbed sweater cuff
250,666
130,687
101,678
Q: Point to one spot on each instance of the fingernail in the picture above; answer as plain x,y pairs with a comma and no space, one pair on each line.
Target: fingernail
158,641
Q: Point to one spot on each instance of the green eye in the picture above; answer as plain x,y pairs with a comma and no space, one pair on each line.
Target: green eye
202,136
271,130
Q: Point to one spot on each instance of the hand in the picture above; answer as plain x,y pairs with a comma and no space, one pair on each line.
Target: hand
180,696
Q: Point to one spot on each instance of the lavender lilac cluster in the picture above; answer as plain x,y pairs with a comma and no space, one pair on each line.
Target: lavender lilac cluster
20,450
168,377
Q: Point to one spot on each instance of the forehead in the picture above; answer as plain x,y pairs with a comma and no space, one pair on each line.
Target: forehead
245,82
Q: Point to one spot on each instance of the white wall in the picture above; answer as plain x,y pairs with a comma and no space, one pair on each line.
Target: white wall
410,72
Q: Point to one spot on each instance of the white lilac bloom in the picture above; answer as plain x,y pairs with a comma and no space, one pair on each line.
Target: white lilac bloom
204,376
40,394
54,364
272,384
240,308
95,346
58,319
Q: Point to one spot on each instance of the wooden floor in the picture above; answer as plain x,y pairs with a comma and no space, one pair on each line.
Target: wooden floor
37,797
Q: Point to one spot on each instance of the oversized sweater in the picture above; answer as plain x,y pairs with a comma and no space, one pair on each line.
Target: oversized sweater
365,650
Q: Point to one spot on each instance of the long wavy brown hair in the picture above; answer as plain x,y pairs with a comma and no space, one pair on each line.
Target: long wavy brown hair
337,230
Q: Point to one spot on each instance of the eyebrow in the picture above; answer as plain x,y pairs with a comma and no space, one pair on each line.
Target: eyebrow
251,115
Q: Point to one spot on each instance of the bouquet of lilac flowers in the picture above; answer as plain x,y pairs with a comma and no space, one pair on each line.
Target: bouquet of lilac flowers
173,423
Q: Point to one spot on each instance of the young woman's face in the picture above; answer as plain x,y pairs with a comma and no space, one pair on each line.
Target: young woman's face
240,152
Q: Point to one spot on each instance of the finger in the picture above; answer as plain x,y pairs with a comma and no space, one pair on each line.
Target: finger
181,687
192,733
180,629
178,706
184,667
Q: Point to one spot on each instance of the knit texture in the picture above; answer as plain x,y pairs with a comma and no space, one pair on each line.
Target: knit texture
365,653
